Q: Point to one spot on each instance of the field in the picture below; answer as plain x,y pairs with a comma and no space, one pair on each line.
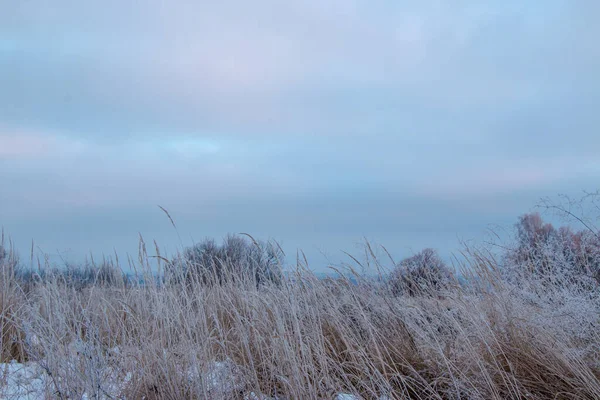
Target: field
520,324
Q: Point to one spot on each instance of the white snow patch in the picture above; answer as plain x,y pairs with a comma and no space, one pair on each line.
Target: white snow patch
219,378
345,396
21,382
254,396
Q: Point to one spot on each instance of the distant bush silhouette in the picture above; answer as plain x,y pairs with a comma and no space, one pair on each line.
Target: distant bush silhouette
76,276
104,274
237,259
423,273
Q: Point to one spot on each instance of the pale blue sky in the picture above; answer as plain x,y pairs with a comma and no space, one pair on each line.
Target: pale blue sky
313,122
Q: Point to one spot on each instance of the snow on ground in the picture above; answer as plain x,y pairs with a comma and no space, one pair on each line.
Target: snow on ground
21,382
222,377
29,382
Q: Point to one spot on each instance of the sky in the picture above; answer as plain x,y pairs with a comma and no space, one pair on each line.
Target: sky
317,123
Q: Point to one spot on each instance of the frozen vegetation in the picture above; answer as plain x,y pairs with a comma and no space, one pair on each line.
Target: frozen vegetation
515,319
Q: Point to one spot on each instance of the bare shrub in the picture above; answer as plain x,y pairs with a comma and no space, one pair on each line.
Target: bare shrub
238,259
423,273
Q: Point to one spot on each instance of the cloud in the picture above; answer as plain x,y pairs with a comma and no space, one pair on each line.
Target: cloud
302,119
26,146
21,146
272,71
268,68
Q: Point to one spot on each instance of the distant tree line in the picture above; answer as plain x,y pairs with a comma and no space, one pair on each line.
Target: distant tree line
539,249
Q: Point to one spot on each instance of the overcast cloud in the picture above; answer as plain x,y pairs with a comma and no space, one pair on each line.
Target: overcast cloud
313,122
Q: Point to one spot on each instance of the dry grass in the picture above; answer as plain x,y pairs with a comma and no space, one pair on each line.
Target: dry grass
12,301
306,338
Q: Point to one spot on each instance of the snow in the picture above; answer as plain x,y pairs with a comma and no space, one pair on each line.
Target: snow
346,396
29,382
21,382
222,377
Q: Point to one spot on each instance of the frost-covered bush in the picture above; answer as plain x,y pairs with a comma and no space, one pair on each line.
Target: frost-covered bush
550,277
423,273
237,259
554,256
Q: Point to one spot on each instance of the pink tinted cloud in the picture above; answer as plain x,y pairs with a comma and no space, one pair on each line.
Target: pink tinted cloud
494,179
21,145
24,145
234,65
228,56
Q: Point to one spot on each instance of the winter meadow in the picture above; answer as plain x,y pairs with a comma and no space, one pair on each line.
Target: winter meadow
516,319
